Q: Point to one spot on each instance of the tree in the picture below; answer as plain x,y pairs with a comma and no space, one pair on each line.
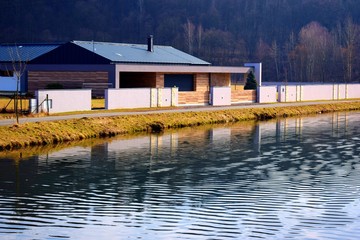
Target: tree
251,82
189,32
351,34
316,42
19,68
275,55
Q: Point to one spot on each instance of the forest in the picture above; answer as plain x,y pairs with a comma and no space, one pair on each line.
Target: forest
296,40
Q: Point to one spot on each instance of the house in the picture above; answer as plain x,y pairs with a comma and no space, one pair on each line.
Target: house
16,56
102,65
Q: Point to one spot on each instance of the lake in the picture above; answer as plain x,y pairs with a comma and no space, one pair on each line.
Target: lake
296,178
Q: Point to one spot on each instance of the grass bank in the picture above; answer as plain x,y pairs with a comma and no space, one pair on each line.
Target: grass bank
43,133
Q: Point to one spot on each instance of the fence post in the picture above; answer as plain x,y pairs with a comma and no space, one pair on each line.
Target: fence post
159,97
174,96
47,103
153,97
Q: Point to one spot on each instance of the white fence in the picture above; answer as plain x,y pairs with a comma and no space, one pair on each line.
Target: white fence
140,98
220,96
56,101
267,94
296,93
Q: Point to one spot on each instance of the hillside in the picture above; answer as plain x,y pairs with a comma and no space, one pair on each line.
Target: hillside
297,40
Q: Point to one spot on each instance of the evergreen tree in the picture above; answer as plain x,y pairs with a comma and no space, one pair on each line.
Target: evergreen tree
251,82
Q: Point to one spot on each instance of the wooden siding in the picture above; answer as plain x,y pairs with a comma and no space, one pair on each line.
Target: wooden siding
196,98
220,79
201,94
160,78
69,80
241,95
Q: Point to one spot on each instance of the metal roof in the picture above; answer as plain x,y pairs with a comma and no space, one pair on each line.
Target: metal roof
24,52
138,53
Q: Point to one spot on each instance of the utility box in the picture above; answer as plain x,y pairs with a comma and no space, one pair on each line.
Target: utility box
33,105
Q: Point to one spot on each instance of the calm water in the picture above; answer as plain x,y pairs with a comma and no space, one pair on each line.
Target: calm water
291,179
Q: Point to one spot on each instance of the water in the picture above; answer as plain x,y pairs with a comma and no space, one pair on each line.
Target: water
290,179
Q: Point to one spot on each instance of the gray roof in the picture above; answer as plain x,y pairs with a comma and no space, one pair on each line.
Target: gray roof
137,53
24,52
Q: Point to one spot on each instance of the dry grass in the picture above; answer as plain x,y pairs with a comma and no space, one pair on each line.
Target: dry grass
98,103
43,133
7,107
8,103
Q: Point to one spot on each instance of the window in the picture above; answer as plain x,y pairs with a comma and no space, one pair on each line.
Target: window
6,73
185,82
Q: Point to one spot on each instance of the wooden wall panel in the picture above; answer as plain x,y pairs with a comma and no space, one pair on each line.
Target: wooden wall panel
220,79
241,95
69,80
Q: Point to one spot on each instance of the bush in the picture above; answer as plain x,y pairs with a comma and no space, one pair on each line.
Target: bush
251,82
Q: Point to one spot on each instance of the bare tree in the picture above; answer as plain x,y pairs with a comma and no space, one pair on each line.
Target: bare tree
275,55
19,67
290,57
189,32
350,36
315,40
200,33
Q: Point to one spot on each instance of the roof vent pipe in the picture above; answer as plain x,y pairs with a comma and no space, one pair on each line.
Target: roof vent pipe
150,45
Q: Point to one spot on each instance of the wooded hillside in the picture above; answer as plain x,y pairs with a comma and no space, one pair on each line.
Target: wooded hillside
297,40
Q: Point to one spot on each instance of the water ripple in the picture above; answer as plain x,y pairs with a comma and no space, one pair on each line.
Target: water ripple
292,181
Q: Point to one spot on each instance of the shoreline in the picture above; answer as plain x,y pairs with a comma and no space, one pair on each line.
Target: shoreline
62,131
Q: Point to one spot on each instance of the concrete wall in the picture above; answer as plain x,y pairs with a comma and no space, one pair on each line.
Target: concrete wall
64,100
288,93
353,91
221,96
140,98
267,94
313,92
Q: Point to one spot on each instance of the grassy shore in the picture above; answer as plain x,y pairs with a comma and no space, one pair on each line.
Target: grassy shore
43,133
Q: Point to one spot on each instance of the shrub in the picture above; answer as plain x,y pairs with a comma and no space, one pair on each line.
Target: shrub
251,82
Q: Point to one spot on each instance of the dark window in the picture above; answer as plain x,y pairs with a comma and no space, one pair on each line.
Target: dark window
6,73
185,82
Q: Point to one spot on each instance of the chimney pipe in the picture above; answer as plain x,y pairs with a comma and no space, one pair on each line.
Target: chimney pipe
150,43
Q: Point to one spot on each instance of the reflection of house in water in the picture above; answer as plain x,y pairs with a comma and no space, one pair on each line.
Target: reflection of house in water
168,144
287,128
65,155
181,152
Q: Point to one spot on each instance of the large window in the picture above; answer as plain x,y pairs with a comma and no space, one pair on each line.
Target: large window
185,82
6,73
